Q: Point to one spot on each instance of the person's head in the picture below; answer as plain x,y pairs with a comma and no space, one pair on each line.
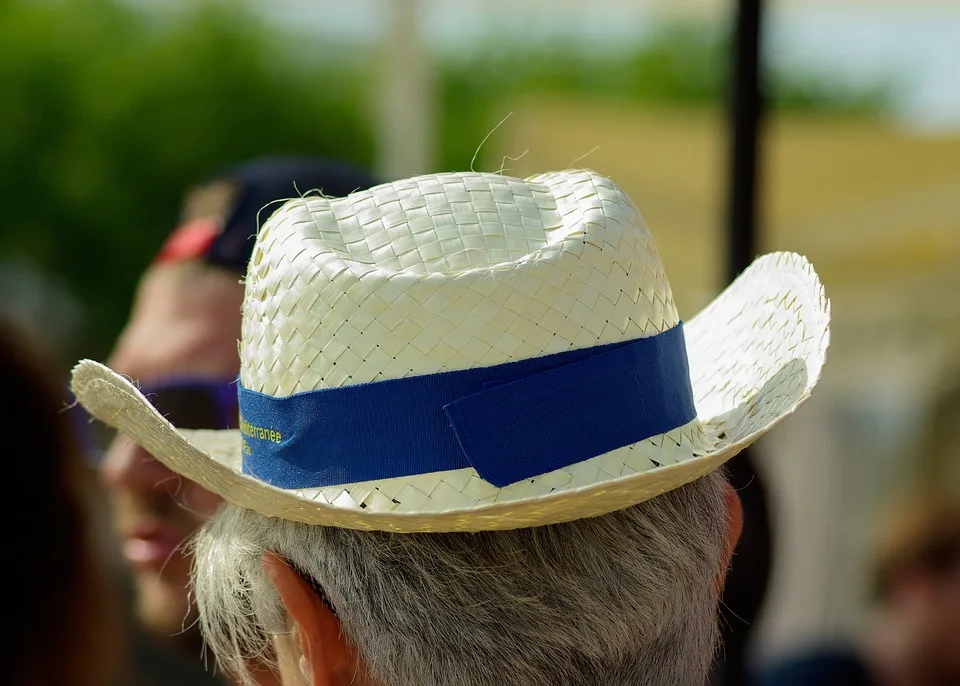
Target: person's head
917,579
626,598
180,345
476,445
56,602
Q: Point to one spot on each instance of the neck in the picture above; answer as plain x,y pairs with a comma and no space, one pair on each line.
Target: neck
262,676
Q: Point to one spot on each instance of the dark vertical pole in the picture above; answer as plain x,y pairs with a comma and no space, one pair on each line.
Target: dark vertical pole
746,109
750,571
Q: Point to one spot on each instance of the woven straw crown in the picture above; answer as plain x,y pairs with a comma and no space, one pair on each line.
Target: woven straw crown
446,272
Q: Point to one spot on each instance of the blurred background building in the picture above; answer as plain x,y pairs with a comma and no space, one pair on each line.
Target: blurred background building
109,108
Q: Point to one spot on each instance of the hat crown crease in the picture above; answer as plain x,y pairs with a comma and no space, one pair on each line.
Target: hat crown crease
446,272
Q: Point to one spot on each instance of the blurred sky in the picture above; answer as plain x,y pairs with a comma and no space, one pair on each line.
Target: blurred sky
913,43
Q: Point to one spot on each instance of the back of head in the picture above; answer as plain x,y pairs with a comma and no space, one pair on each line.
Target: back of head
626,598
54,592
476,446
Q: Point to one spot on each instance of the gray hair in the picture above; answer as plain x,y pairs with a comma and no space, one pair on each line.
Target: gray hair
626,598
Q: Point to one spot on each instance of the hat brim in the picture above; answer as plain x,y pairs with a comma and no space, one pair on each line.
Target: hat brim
756,353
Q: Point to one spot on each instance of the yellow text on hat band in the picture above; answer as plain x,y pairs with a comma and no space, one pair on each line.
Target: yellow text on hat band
248,429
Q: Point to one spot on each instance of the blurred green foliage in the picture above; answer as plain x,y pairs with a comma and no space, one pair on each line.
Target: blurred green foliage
106,117
108,113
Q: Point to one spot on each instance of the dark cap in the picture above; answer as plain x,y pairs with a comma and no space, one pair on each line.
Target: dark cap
221,217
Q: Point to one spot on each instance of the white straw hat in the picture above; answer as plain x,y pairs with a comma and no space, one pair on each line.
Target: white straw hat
468,351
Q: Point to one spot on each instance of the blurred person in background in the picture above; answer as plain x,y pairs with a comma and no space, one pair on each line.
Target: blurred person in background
60,615
180,346
913,638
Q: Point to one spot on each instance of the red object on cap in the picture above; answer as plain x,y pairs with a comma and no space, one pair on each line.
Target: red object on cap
189,241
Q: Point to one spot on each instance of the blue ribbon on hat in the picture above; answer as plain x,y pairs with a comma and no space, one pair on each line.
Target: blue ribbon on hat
510,421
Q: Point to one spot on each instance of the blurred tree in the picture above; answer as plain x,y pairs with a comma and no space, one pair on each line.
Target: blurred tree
107,114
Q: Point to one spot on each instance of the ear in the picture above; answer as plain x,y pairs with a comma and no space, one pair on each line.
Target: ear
733,529
324,655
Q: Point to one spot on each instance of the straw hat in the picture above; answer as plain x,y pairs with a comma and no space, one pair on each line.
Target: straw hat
469,351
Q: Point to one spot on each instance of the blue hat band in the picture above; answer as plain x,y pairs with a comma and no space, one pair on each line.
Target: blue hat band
510,422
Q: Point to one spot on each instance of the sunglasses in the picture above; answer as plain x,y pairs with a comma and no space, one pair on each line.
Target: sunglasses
186,402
